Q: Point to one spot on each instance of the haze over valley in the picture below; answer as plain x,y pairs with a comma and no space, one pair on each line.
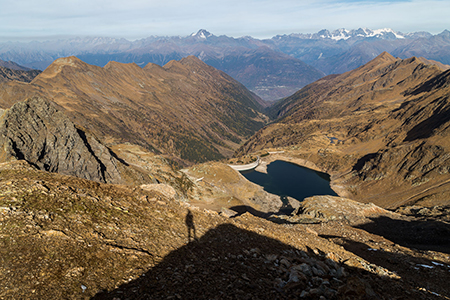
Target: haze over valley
119,167
272,68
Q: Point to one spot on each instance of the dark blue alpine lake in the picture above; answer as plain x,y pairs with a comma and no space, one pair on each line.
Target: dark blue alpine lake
287,179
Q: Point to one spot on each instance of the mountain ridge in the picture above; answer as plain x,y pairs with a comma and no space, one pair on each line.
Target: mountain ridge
325,52
160,108
376,129
12,71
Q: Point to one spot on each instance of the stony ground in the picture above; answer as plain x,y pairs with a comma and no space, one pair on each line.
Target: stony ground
68,238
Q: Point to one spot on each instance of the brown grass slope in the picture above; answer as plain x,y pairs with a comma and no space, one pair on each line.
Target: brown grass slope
64,237
186,108
379,130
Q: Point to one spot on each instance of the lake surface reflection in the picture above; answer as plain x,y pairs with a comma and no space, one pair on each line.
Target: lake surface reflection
287,179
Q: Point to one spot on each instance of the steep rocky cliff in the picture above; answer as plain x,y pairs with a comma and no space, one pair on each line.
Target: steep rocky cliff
35,131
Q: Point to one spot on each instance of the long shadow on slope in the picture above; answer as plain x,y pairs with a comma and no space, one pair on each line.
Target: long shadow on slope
362,161
426,128
219,264
211,267
423,235
231,263
418,271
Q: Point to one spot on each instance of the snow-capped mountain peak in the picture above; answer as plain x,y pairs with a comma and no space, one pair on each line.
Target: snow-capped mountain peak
202,34
340,34
384,33
380,32
345,34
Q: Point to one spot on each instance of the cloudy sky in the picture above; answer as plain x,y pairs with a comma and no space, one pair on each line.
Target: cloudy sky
133,19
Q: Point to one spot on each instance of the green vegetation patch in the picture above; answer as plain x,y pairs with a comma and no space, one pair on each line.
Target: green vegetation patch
196,150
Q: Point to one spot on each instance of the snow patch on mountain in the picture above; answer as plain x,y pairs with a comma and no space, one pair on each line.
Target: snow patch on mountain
341,34
202,34
383,31
345,34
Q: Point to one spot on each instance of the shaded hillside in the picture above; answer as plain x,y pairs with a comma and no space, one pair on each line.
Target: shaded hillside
7,74
379,130
357,55
186,109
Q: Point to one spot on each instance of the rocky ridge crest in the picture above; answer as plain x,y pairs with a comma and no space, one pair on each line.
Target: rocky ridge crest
67,237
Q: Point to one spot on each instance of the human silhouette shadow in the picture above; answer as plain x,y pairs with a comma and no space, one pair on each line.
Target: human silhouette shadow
190,226
228,262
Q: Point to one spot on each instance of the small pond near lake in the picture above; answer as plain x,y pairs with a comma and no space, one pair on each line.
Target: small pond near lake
287,179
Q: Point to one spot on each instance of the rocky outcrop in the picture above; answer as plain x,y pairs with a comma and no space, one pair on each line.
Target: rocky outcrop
35,131
328,208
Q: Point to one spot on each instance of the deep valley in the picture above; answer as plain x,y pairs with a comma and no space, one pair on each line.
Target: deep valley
116,182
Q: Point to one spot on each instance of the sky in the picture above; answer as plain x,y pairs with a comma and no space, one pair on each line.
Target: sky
25,20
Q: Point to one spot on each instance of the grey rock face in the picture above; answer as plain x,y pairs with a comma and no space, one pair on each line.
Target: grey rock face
35,131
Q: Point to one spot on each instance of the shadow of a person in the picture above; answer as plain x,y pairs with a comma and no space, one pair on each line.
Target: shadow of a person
190,226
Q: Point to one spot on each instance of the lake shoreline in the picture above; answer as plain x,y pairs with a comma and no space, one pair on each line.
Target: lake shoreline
287,179
340,190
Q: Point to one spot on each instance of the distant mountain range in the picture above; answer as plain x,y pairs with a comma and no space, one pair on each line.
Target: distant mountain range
13,66
272,68
361,33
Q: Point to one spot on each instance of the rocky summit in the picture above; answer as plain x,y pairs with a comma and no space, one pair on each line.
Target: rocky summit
115,184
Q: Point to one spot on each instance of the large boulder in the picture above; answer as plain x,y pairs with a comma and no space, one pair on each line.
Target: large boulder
329,208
